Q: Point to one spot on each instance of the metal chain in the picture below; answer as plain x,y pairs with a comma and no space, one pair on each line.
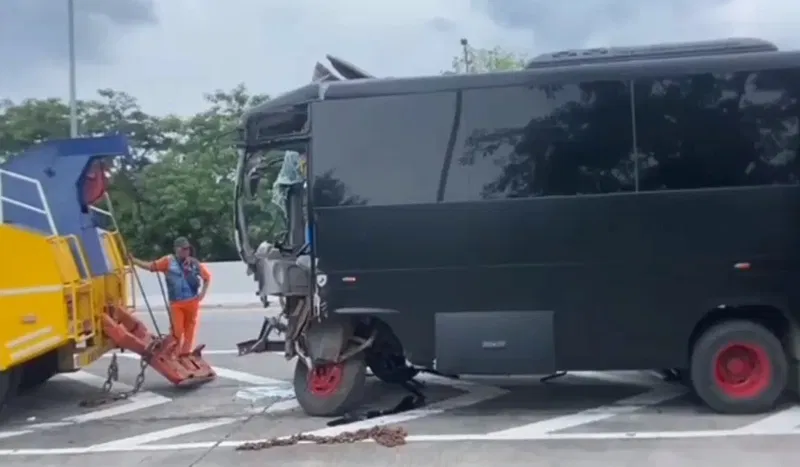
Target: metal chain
137,385
112,376
382,435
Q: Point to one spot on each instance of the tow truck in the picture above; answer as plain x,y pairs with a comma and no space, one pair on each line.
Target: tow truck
65,276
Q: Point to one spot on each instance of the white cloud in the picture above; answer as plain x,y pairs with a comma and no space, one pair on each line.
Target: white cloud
168,53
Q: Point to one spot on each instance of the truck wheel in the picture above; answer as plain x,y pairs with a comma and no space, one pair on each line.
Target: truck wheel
36,372
330,390
739,367
34,377
9,386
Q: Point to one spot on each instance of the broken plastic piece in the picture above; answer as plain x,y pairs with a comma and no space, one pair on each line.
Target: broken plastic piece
128,333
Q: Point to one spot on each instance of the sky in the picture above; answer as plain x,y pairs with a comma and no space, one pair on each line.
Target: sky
168,53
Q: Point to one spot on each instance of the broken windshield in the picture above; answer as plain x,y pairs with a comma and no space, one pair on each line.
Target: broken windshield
264,179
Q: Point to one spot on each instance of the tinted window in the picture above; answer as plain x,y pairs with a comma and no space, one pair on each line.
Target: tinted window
380,150
520,142
718,130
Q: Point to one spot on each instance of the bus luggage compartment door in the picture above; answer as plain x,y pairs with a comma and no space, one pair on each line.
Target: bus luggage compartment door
495,343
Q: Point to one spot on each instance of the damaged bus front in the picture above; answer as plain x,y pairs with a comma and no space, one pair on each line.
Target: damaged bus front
272,178
274,137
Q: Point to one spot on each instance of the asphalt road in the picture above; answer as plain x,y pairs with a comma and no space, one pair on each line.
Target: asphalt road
581,419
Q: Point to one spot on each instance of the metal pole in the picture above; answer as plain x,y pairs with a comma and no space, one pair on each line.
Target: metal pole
465,48
73,104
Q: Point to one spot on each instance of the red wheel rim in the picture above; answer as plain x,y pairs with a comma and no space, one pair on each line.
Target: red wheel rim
742,370
323,381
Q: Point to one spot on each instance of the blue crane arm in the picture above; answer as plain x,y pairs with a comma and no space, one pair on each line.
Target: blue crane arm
50,186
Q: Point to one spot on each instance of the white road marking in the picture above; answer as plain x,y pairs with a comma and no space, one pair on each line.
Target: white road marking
283,406
248,378
622,377
141,401
475,394
780,424
48,425
596,414
282,397
785,420
621,436
160,435
251,379
11,434
92,379
227,373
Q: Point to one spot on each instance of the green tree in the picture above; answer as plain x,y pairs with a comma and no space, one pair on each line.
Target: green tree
33,121
487,60
188,189
180,179
29,122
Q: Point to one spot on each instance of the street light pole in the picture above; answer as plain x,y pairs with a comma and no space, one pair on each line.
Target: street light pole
73,104
465,48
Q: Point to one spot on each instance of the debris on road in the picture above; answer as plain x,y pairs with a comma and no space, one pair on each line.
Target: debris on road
385,436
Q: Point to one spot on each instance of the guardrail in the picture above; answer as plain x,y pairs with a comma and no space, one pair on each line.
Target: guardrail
231,287
44,210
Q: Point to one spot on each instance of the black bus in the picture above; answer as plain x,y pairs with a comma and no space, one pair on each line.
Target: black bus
609,209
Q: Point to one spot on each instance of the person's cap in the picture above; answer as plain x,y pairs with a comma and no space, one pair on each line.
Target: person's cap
182,242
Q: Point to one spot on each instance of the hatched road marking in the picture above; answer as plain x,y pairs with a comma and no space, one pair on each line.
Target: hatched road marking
141,401
782,423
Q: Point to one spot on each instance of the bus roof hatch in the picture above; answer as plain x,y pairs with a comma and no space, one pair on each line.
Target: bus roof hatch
339,70
649,52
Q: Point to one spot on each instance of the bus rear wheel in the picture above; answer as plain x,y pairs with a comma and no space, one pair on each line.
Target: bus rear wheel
332,389
739,367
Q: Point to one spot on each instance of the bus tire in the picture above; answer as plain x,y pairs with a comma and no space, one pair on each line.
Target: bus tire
9,386
330,390
739,367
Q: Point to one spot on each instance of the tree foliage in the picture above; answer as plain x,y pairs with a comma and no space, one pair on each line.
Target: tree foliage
181,176
486,60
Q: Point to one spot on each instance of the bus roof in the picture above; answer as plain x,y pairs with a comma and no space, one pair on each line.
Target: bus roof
620,70
752,54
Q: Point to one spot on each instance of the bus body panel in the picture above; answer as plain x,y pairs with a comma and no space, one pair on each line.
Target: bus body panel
620,272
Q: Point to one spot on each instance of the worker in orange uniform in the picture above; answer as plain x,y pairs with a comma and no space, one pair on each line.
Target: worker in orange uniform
187,281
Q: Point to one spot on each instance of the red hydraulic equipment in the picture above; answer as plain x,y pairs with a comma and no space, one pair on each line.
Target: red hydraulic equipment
129,333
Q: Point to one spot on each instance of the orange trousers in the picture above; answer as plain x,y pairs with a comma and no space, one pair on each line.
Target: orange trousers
185,315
